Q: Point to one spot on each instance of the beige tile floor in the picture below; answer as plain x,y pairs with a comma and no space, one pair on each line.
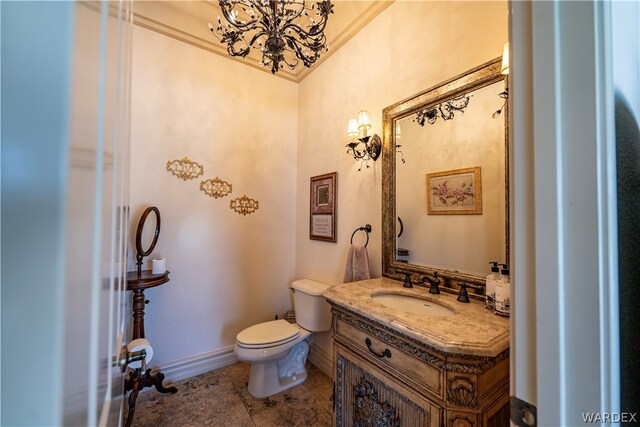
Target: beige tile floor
220,398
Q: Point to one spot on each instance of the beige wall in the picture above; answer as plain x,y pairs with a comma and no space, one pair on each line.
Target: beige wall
267,137
408,48
228,271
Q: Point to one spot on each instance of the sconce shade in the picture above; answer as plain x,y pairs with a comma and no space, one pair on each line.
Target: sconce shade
363,120
352,130
505,59
398,131
366,147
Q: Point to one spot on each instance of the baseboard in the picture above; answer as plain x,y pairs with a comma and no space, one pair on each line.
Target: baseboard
321,359
191,366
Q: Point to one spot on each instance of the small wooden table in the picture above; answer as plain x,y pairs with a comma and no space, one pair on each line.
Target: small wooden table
137,379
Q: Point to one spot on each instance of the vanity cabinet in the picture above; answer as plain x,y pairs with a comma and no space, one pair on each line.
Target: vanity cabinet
384,377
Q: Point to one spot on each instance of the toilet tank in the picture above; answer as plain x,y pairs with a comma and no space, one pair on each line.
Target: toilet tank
312,311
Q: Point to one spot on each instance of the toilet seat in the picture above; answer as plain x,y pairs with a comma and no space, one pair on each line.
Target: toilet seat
268,334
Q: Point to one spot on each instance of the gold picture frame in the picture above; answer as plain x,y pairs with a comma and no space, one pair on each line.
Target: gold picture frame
455,192
322,207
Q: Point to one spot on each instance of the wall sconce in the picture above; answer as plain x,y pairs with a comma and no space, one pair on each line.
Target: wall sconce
363,148
504,70
505,59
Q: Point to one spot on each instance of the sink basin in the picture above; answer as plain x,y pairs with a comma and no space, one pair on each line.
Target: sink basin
413,305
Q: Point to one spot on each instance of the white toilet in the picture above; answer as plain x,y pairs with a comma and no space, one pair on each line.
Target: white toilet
277,350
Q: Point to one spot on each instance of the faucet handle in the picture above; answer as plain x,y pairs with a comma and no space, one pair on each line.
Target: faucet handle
435,288
407,279
463,296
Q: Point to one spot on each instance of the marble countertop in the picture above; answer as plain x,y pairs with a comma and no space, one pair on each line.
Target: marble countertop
472,330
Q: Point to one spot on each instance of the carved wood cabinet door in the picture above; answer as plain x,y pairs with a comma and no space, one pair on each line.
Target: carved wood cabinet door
366,397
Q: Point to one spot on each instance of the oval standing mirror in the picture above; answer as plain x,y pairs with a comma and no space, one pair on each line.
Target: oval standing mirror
445,173
147,234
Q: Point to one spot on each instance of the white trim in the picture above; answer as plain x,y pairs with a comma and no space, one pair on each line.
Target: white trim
522,216
191,366
562,112
607,218
321,359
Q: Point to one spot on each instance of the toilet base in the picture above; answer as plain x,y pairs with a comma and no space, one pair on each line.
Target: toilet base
271,377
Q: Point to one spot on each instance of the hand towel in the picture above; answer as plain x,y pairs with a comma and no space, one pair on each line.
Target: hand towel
357,267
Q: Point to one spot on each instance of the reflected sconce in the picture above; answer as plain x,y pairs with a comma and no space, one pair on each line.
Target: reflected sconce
363,147
504,70
398,134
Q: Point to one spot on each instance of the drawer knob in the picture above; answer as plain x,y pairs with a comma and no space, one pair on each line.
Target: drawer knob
385,353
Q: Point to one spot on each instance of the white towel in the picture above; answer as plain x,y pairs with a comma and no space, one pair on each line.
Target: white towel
357,267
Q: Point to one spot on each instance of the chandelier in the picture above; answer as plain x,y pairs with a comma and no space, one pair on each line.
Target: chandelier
277,28
444,110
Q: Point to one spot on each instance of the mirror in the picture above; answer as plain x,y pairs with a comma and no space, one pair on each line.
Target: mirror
147,234
445,180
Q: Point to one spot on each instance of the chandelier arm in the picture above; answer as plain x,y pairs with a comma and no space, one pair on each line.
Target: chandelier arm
318,41
315,47
233,52
265,13
297,13
310,34
247,26
256,36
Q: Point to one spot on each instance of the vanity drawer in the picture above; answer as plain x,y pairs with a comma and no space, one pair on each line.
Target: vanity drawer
407,368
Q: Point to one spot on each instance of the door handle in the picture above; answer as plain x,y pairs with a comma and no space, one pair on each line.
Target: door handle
125,357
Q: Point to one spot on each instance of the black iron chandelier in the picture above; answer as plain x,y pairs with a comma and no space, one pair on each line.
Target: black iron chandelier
444,110
277,28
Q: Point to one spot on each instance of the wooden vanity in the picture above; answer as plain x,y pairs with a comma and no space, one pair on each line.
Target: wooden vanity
393,368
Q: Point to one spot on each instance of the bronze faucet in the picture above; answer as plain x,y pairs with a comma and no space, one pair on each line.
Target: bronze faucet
435,282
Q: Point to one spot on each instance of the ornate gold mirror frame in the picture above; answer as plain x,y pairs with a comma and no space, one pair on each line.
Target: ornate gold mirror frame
469,81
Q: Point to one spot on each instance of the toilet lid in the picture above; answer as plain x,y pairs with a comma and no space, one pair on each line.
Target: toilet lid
276,331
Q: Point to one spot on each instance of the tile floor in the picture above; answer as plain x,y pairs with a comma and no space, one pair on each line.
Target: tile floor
221,398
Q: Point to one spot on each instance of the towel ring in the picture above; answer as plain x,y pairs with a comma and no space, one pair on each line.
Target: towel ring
366,229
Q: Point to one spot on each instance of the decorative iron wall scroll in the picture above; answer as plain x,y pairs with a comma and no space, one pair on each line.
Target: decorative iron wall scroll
185,168
244,205
216,187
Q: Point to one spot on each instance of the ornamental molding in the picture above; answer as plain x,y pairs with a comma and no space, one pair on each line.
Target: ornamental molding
368,410
216,187
185,168
461,391
416,348
244,205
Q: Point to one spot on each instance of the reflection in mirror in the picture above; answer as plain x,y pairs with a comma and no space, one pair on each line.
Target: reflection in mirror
445,175
149,231
452,236
147,234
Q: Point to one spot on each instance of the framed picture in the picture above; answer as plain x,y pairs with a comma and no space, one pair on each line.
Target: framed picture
322,214
455,192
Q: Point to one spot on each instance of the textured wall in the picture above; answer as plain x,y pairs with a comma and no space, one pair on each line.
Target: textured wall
268,137
410,47
228,271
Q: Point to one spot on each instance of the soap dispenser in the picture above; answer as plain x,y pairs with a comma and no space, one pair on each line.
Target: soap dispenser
490,289
502,305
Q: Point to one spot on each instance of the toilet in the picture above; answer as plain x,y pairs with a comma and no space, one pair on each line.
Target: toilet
277,350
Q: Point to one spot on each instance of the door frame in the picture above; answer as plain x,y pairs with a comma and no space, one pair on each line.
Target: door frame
564,331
